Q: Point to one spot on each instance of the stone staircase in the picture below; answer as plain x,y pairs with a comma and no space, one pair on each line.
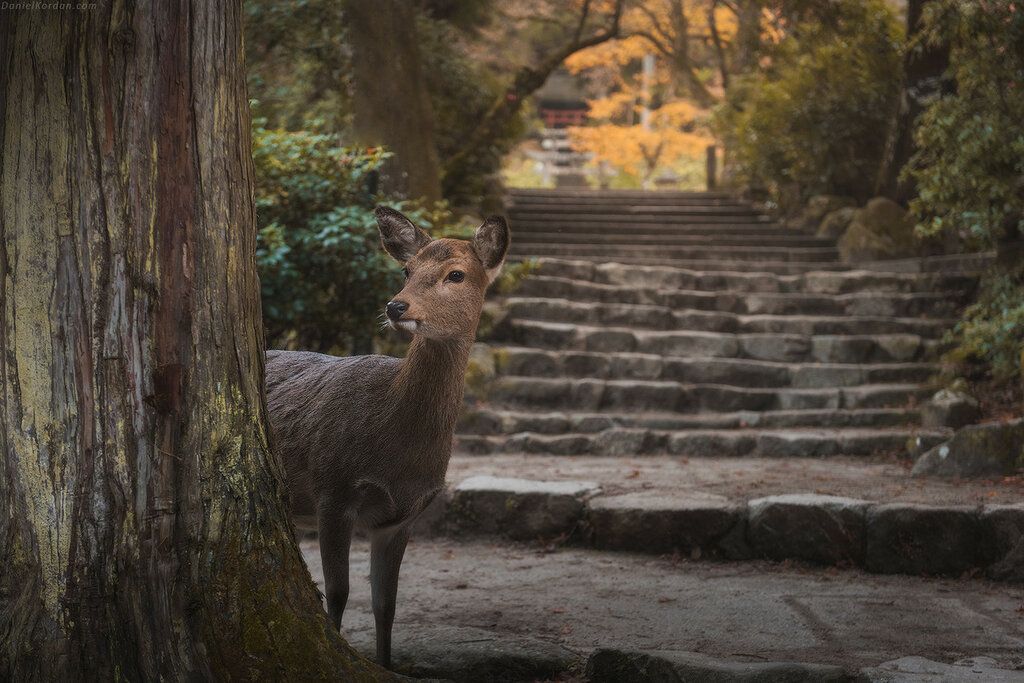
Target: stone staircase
671,323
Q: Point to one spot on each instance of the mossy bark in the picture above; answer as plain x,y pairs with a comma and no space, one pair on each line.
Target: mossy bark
143,531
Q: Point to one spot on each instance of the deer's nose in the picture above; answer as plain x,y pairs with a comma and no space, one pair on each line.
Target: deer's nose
396,309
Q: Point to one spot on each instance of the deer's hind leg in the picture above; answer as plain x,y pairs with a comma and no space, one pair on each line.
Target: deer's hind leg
387,548
335,530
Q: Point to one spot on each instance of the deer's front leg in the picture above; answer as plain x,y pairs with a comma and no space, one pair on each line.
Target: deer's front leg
335,530
387,547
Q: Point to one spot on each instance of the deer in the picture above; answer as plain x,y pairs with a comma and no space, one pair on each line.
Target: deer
365,440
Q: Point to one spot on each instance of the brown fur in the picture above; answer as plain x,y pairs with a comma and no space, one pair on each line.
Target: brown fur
366,440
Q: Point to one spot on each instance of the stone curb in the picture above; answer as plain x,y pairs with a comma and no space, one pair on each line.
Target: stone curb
884,538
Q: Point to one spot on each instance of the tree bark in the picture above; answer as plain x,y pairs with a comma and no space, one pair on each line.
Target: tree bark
143,531
924,68
391,107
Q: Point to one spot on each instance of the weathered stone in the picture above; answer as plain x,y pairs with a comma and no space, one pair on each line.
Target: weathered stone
655,523
993,449
880,230
921,670
1005,525
949,408
467,654
835,223
816,528
704,443
518,508
667,666
921,539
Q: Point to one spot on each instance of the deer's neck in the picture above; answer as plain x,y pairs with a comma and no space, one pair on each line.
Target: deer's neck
428,388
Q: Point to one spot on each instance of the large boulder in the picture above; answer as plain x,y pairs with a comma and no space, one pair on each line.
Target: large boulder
985,450
880,230
835,223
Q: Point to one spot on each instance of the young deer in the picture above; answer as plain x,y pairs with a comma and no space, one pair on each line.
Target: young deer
365,440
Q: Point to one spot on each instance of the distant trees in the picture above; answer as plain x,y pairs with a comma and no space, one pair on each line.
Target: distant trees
441,84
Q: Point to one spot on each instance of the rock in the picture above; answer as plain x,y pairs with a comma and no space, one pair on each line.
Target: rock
921,670
669,666
994,449
880,230
518,508
817,207
655,523
1005,525
835,223
948,408
469,654
921,539
816,528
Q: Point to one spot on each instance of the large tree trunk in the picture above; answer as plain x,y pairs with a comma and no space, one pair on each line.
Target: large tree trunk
143,532
391,104
924,68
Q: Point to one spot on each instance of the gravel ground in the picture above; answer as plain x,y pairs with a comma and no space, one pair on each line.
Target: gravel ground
584,599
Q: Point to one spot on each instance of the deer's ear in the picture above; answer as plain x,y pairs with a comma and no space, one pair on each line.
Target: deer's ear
398,235
491,245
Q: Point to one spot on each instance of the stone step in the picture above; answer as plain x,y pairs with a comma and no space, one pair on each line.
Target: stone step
559,393
882,537
712,265
665,318
859,303
488,421
730,443
694,230
704,240
532,362
627,222
630,197
773,254
842,282
788,348
584,209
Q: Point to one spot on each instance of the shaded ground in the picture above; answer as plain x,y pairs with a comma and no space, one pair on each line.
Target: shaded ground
744,478
585,599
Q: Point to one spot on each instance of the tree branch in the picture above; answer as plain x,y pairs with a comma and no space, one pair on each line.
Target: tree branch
526,81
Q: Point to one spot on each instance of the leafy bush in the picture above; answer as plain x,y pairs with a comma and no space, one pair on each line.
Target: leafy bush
969,169
814,121
969,166
990,335
324,277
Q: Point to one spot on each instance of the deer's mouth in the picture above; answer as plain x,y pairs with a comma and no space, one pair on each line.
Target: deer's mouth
407,325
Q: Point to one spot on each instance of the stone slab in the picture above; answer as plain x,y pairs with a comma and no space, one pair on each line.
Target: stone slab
922,670
622,666
654,523
811,527
517,508
924,539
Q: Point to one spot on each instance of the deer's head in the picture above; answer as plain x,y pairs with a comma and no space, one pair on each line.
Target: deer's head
445,279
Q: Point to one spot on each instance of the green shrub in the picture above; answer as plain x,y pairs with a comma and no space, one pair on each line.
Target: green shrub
324,277
815,121
990,335
969,166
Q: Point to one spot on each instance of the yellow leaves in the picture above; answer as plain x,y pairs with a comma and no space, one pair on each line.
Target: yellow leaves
610,53
615,105
636,149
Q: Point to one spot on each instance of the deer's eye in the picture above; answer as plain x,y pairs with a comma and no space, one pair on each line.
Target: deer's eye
456,276
405,271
